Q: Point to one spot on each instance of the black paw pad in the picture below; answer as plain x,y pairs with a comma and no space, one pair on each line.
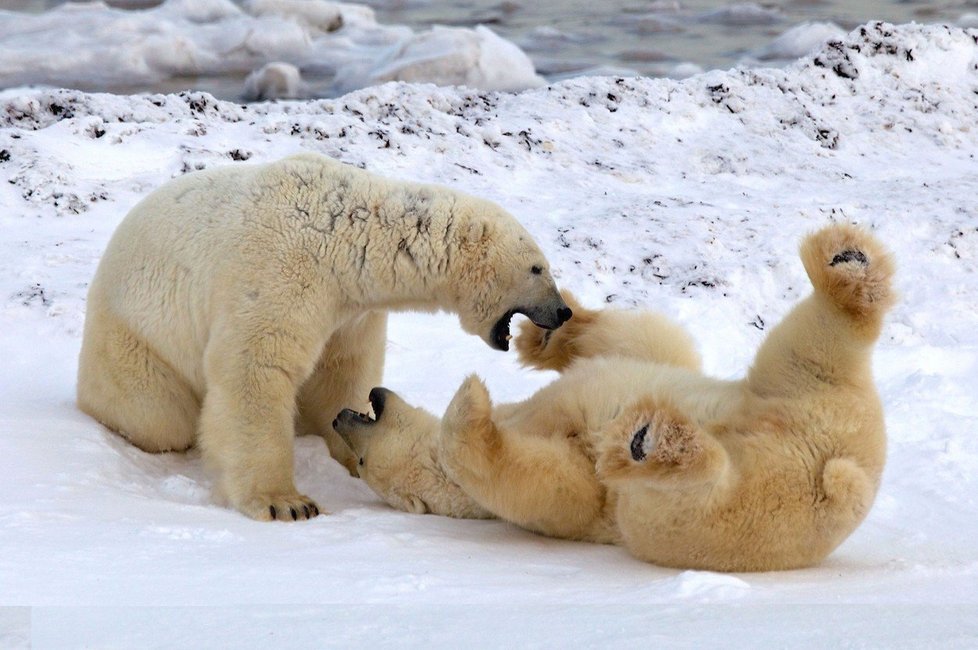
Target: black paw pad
638,443
850,256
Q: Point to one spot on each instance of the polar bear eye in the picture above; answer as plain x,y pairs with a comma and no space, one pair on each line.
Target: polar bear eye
536,270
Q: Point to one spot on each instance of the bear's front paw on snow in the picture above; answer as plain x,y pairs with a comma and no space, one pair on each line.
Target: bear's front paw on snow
281,507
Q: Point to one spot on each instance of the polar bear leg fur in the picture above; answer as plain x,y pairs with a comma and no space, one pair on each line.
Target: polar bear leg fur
351,364
540,483
591,333
126,386
246,423
828,337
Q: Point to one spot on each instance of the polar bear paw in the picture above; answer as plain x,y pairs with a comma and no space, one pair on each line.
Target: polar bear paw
280,507
656,444
665,439
850,267
554,349
469,438
468,418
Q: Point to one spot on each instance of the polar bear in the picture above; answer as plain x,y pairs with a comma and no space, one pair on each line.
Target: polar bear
633,445
236,306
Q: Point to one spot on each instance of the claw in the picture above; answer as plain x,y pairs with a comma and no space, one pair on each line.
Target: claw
295,515
638,444
271,511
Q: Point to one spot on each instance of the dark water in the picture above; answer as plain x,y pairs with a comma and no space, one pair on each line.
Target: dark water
650,37
569,37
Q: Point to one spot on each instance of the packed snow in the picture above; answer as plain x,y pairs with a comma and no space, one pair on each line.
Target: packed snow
688,197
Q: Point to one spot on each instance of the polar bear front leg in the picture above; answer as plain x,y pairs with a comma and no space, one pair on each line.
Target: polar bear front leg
635,334
542,483
351,363
246,425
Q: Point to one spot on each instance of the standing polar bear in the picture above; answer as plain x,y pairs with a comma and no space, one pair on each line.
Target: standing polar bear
633,445
236,306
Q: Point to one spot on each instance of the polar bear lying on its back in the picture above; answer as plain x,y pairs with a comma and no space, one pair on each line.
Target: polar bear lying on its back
633,445
235,305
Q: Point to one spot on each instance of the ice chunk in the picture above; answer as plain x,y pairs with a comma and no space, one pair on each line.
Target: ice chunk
799,41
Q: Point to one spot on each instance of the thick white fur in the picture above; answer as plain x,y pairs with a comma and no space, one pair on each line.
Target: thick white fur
769,472
237,305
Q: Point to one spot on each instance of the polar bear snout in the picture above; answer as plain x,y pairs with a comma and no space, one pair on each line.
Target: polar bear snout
548,315
550,319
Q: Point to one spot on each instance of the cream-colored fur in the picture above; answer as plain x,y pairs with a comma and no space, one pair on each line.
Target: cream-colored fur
633,445
236,306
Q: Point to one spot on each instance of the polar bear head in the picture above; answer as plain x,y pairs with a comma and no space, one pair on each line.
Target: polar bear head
498,271
398,458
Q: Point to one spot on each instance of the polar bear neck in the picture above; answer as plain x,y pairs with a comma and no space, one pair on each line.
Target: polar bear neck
399,241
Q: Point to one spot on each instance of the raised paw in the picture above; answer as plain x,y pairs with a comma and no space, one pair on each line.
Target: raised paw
281,507
654,443
469,438
850,267
553,349
470,411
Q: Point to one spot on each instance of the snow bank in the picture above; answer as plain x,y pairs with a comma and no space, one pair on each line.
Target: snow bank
687,196
338,47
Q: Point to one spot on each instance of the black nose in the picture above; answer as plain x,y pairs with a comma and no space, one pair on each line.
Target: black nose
564,314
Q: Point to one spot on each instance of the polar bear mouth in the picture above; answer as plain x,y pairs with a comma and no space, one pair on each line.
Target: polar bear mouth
500,335
350,418
548,316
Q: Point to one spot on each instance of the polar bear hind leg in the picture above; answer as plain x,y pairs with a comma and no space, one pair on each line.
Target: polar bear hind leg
351,363
853,270
126,386
848,489
826,340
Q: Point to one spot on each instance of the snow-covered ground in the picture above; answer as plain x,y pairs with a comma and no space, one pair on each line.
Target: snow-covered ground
685,196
